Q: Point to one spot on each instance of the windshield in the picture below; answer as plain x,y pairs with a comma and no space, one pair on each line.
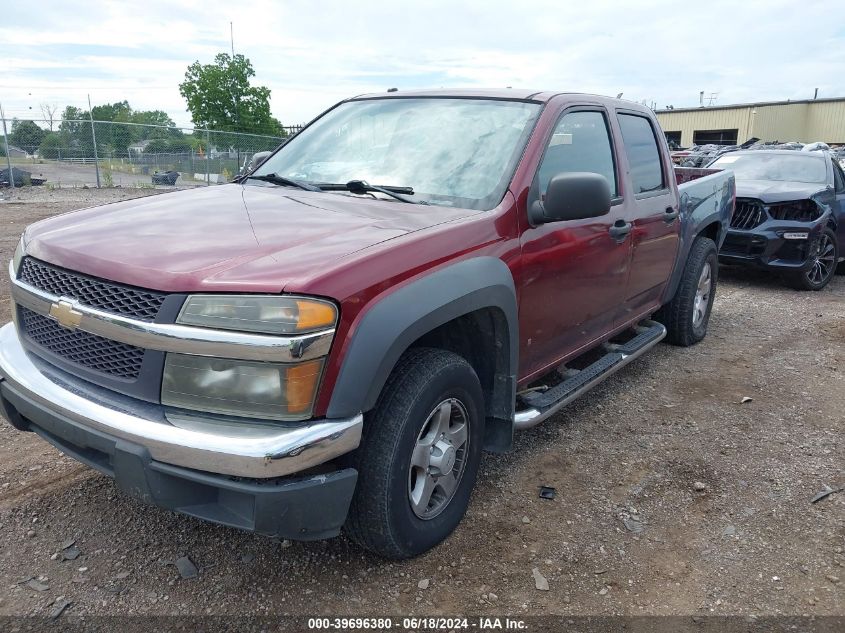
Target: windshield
455,152
787,167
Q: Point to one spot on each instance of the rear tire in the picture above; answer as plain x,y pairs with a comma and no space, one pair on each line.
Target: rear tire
822,269
687,315
416,467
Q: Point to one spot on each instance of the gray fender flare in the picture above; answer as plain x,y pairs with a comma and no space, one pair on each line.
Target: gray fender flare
389,328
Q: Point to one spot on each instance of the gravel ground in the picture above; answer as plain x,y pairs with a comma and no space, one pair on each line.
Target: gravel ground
673,496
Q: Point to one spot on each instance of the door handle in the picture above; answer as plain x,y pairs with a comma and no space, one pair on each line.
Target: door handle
670,215
620,229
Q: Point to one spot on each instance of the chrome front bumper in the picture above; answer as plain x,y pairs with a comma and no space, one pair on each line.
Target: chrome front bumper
230,448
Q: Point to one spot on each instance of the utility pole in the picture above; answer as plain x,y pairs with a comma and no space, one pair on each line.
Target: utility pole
94,138
207,157
8,159
234,100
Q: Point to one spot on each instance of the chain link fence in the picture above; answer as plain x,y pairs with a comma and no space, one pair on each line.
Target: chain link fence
84,153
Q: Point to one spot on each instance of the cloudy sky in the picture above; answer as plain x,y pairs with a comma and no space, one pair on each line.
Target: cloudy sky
313,53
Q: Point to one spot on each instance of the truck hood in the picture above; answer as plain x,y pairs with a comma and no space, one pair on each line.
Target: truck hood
245,238
770,191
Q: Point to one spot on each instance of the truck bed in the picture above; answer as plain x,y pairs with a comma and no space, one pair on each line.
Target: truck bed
688,174
706,199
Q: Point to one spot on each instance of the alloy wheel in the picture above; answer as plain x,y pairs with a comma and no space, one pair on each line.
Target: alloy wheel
438,459
824,261
702,295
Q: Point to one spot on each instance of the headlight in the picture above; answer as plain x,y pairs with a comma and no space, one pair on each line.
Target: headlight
20,251
272,391
269,391
258,313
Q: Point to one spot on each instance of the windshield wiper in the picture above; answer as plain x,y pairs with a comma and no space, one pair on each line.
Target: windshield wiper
276,179
362,186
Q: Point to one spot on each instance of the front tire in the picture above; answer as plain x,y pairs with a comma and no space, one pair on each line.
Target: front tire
687,315
419,455
823,265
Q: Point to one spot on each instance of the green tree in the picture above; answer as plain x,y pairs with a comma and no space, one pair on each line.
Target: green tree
51,146
220,97
75,134
26,135
71,118
180,145
120,111
114,138
151,117
157,146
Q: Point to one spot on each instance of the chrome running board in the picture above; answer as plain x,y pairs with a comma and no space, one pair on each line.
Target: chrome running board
542,405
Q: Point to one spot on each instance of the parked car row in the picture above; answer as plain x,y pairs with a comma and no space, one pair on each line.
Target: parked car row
701,155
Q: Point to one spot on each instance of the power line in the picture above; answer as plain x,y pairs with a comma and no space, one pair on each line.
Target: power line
70,87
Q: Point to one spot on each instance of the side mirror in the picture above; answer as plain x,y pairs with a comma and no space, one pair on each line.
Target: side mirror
572,196
258,158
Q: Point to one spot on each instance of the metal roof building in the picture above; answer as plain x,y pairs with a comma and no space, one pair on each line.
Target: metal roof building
803,121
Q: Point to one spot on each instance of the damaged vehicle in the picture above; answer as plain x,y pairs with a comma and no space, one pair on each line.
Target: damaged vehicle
701,155
790,215
332,340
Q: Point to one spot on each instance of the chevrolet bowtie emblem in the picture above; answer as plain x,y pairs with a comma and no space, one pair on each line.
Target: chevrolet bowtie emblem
64,313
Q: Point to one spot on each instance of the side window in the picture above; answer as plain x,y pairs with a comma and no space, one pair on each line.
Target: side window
580,142
838,179
643,155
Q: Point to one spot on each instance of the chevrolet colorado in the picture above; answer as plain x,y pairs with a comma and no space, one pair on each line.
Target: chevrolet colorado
331,341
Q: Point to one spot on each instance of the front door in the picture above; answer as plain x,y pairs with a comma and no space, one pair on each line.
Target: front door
574,272
653,211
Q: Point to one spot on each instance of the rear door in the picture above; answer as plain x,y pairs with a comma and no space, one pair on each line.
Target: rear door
574,272
652,209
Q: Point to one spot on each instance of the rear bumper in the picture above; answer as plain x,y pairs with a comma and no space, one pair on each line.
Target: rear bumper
765,247
229,473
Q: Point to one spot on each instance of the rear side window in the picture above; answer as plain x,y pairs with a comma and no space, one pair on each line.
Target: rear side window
838,178
580,142
643,155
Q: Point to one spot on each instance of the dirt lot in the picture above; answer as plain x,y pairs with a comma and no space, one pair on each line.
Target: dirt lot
629,532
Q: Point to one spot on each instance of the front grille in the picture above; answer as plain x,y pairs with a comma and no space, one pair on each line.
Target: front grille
747,215
104,295
89,350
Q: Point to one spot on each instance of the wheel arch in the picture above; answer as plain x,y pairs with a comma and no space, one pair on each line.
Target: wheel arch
713,228
468,307
713,231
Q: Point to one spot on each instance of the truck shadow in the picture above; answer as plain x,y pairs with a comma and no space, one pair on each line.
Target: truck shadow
752,277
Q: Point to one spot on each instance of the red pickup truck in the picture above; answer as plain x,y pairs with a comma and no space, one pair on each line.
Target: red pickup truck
333,340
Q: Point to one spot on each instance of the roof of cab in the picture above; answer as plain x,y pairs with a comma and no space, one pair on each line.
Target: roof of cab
515,94
520,94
